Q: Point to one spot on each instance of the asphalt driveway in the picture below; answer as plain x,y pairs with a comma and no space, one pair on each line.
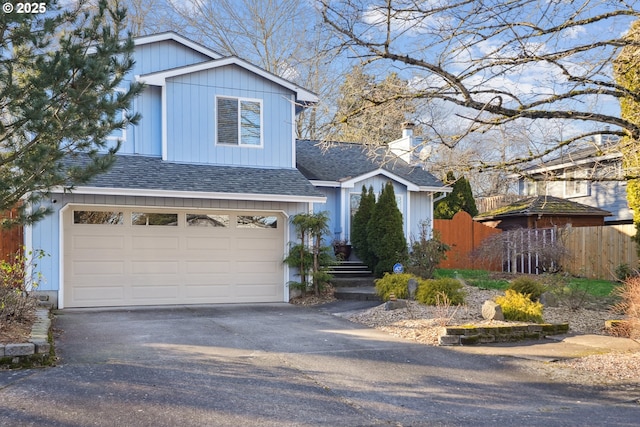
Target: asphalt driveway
279,365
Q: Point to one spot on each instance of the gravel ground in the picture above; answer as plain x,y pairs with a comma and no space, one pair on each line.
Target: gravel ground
421,323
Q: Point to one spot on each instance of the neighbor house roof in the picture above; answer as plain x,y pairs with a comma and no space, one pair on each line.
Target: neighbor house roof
151,176
545,206
581,156
340,162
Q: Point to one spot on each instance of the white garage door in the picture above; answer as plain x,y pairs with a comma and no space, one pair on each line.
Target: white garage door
139,256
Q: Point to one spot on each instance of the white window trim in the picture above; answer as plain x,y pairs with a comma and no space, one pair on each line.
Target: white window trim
574,181
123,137
239,100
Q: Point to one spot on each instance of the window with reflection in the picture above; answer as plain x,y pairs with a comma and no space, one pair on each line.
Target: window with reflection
202,220
166,219
257,221
98,217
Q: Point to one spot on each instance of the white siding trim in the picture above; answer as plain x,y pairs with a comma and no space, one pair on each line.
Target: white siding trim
165,144
61,255
154,38
195,195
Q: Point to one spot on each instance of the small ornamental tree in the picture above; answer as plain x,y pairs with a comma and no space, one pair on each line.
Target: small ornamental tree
308,255
385,233
359,227
460,199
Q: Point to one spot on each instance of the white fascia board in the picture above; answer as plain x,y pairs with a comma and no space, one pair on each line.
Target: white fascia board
437,189
350,183
104,191
565,165
159,78
331,184
154,38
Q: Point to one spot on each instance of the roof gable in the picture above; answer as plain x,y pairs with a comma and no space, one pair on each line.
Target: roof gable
159,78
171,36
346,163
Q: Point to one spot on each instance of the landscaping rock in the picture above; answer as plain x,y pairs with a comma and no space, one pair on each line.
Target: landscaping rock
548,299
413,286
492,311
395,305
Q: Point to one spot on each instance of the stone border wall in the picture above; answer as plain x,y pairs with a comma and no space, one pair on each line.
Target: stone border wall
472,335
37,350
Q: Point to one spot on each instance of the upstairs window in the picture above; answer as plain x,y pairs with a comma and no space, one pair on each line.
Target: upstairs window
239,121
573,186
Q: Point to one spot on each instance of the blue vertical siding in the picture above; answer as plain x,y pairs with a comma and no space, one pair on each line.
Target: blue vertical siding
191,133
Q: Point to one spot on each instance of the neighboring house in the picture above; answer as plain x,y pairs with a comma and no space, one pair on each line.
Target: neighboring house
543,212
197,206
590,175
340,170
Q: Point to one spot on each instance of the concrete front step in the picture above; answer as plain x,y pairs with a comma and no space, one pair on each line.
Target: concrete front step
352,282
359,293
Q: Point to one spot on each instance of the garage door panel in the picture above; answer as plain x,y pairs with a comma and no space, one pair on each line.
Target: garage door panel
218,291
110,265
255,243
209,243
104,242
101,268
155,292
105,292
156,243
256,268
207,267
154,267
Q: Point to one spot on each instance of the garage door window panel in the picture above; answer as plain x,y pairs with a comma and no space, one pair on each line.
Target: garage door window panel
162,219
257,221
98,217
201,220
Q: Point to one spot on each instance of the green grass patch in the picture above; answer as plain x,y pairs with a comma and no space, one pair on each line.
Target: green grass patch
595,287
477,278
481,279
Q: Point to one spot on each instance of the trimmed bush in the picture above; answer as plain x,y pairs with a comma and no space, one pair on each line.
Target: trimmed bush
385,233
397,284
429,290
528,286
518,307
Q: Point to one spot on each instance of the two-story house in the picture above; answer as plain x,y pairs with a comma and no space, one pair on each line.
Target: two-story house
591,175
198,204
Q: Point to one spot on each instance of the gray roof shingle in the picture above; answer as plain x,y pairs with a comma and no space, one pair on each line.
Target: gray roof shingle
343,161
544,205
151,173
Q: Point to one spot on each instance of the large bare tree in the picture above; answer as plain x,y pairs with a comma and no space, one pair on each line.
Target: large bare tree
501,62
284,37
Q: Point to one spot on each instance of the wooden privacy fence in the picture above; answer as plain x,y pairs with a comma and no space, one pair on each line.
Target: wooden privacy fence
463,235
10,239
593,252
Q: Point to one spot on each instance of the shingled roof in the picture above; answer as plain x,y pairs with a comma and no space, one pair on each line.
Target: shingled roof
152,173
339,162
545,206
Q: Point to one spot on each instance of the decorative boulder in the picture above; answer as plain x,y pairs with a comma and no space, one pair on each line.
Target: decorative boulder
548,299
395,304
412,287
492,311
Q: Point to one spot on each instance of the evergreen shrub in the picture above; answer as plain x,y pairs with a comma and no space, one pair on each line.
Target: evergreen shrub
429,290
528,286
397,284
518,307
